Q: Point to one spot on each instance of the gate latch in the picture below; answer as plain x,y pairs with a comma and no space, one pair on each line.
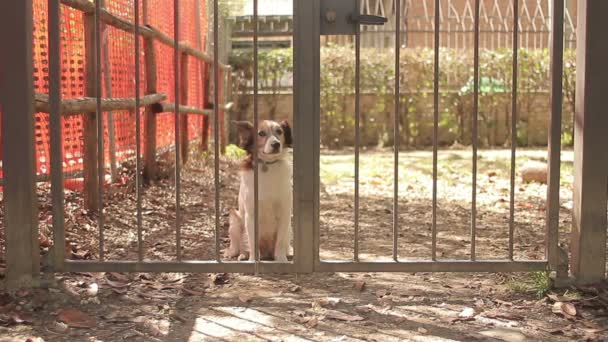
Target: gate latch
341,17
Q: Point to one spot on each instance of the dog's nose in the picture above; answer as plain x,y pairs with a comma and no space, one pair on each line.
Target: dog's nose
275,145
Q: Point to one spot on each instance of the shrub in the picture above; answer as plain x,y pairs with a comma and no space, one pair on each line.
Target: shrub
416,86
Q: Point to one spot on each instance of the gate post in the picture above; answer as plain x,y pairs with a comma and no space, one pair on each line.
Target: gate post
306,133
591,139
17,106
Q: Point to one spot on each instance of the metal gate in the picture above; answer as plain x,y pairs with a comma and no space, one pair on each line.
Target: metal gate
312,18
316,18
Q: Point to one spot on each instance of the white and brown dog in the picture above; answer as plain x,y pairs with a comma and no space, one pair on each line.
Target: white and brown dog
274,193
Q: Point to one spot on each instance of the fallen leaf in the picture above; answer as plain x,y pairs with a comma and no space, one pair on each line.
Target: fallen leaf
245,298
143,276
341,316
152,295
467,313
60,327
154,327
192,292
312,322
502,302
75,318
92,290
178,318
117,284
569,309
220,278
386,302
381,293
558,298
566,309
413,293
295,288
119,291
360,285
16,318
556,331
504,315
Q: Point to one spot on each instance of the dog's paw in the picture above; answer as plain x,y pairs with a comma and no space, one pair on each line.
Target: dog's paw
280,258
230,254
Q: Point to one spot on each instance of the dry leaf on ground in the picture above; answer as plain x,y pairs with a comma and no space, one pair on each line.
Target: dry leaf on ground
75,318
360,285
341,316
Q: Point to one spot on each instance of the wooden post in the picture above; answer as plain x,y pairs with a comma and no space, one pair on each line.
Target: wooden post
17,100
202,70
184,101
89,124
590,144
206,105
149,172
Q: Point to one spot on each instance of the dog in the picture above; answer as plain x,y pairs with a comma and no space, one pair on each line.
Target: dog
274,193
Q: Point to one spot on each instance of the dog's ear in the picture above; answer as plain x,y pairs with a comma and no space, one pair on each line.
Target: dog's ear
245,134
287,133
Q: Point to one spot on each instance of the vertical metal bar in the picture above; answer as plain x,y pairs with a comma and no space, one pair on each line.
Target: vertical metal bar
357,136
513,127
105,55
100,136
396,131
306,62
138,169
178,234
474,131
57,198
435,132
216,126
255,136
17,100
555,128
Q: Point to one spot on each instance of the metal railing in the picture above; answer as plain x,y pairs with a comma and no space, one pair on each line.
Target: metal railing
306,160
433,264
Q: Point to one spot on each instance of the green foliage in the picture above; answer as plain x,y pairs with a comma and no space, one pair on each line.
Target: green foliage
233,151
538,283
416,93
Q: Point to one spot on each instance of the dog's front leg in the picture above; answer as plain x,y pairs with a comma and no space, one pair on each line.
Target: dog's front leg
235,232
283,227
250,226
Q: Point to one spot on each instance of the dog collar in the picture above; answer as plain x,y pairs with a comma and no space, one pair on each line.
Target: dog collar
265,164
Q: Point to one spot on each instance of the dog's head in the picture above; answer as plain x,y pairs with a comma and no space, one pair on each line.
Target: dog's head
272,138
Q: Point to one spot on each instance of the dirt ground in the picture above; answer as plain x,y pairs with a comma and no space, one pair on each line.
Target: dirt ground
318,307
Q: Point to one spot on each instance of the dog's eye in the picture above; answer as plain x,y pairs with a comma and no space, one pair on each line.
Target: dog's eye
279,131
262,133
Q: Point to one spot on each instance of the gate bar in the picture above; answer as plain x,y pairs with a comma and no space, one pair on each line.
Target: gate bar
216,128
555,129
100,136
513,125
396,130
357,136
474,131
57,196
435,131
138,185
434,266
17,100
255,138
185,266
176,73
